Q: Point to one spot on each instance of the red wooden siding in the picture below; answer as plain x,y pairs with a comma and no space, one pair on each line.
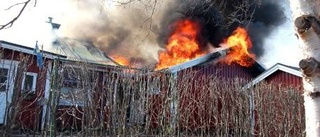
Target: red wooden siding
222,70
29,115
198,94
284,78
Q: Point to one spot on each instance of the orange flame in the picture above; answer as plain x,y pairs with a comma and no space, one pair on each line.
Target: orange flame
121,60
182,45
239,43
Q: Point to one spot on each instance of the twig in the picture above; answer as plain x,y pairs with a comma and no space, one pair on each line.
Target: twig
10,23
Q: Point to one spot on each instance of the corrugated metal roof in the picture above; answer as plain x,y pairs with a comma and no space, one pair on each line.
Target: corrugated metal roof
83,51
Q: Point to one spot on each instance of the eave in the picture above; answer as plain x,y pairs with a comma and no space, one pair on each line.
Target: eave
213,56
28,50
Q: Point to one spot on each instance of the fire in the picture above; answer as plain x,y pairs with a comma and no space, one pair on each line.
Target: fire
121,60
239,43
182,45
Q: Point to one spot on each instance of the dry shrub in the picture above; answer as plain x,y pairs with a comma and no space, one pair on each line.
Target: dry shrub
100,100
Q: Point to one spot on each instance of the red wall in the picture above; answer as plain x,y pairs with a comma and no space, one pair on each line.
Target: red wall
284,78
29,115
224,71
190,97
196,78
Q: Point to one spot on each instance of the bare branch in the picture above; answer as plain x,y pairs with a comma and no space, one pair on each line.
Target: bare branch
123,3
10,23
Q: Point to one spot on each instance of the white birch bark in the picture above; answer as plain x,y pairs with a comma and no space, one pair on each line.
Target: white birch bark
306,20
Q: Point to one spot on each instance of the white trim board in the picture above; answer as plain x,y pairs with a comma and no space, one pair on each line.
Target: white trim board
271,71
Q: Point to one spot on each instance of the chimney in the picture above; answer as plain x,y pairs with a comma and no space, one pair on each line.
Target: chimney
54,25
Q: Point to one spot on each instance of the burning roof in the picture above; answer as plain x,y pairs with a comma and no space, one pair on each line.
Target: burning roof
137,34
184,45
217,56
210,57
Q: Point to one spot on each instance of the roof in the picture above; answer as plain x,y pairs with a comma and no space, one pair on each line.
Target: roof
198,61
285,68
83,51
256,69
28,50
67,49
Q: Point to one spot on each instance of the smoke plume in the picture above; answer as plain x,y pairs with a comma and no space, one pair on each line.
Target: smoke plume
268,16
116,30
139,29
218,19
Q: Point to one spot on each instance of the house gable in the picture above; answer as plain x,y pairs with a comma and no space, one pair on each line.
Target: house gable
268,73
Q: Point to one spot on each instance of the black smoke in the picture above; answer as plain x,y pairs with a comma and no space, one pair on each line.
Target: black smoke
268,16
218,19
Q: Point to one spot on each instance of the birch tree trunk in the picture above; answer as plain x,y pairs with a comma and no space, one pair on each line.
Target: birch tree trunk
307,26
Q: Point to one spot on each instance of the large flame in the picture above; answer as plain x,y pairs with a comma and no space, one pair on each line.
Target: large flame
120,60
239,43
182,45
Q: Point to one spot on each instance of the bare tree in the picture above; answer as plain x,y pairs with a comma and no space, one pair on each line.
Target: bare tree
307,26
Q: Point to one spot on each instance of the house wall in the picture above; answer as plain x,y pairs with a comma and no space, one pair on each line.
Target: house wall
221,70
284,79
199,96
200,104
30,106
282,84
194,95
94,110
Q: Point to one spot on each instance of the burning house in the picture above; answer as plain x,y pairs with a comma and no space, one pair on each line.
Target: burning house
202,66
177,95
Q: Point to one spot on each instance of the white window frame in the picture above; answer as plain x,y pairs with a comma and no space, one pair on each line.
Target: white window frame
12,66
6,97
34,81
6,84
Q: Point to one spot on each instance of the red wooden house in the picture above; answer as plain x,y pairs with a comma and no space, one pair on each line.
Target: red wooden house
23,83
28,86
184,105
192,80
194,107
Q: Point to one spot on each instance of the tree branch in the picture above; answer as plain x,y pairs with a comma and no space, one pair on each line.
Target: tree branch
10,23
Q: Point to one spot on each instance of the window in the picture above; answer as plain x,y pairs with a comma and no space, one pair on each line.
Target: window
77,86
29,82
3,79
